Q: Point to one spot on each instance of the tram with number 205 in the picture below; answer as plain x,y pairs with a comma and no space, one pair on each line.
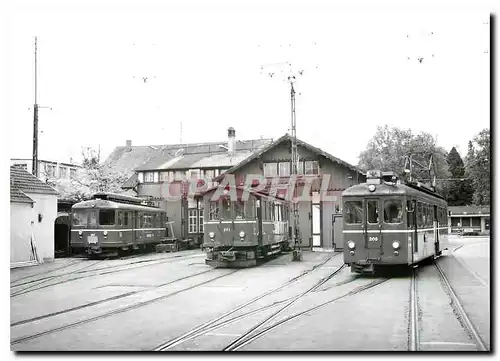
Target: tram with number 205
387,223
239,230
114,223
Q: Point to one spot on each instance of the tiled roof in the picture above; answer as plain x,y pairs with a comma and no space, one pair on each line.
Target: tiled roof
203,155
16,195
132,182
284,138
23,182
459,210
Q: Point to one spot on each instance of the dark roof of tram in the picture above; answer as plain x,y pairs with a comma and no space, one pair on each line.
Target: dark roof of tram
104,204
387,190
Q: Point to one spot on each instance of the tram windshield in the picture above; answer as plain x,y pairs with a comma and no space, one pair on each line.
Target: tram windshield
393,211
239,209
80,217
353,212
225,208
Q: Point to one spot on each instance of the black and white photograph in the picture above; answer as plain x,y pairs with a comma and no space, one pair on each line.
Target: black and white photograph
236,176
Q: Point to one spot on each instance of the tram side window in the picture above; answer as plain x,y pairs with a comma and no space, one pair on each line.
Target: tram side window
393,211
239,209
420,215
353,212
213,211
429,216
106,217
372,211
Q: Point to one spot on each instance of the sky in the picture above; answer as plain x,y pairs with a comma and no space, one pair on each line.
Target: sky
210,69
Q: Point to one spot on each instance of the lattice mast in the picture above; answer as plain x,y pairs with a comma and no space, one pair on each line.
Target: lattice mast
295,161
35,122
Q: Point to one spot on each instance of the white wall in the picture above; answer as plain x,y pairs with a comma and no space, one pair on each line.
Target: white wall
21,218
21,215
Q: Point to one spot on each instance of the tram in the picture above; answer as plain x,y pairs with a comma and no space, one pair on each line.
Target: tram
388,223
240,230
111,222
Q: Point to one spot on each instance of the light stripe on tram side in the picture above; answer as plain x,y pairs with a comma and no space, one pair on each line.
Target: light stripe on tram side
391,230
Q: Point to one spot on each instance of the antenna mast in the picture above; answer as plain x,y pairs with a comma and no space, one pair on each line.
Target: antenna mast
35,122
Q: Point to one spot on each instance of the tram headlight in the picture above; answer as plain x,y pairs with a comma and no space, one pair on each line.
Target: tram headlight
242,234
371,187
211,234
351,245
395,244
80,233
105,233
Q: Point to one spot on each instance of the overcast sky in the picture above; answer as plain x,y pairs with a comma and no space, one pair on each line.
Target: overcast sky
210,70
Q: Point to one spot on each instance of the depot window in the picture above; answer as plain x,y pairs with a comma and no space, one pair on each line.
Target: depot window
311,167
106,217
393,211
270,169
353,212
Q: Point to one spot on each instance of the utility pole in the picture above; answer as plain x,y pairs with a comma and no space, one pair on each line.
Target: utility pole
297,252
35,123
34,168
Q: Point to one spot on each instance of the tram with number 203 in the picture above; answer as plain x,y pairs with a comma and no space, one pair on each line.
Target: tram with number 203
114,223
239,230
387,223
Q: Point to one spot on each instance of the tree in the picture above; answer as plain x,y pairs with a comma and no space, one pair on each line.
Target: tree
460,189
91,178
390,148
478,167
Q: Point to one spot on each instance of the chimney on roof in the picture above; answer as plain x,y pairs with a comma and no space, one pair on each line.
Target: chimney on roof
128,143
231,140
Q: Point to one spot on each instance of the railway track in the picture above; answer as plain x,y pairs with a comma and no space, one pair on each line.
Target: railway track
414,336
115,311
107,270
224,319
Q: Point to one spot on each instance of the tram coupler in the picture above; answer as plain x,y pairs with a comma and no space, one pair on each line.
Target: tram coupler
297,255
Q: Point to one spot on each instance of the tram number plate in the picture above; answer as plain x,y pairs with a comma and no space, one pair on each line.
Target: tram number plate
92,239
372,239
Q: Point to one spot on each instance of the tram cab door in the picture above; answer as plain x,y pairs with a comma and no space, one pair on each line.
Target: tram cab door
436,231
373,228
411,212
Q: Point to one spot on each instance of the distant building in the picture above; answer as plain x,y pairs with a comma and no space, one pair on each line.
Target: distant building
168,169
33,210
48,170
323,178
469,219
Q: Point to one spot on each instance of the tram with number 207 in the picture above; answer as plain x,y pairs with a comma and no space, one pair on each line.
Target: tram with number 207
239,230
387,223
113,223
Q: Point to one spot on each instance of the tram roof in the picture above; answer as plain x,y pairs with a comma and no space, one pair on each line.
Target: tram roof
385,189
105,204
